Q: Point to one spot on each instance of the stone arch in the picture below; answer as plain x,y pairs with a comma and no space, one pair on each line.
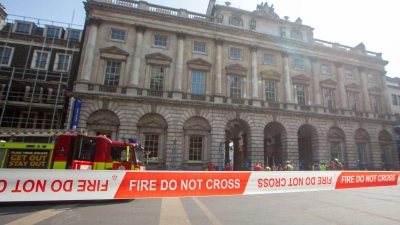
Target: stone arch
152,131
104,122
364,155
274,144
237,131
336,144
308,147
196,136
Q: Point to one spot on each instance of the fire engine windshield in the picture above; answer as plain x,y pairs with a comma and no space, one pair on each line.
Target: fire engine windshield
139,154
85,148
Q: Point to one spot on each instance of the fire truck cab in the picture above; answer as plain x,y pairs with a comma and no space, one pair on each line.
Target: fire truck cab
83,152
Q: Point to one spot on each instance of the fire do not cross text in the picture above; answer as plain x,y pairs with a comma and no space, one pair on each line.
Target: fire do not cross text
191,184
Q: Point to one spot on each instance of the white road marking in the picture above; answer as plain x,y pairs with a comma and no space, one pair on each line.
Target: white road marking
41,215
211,216
172,212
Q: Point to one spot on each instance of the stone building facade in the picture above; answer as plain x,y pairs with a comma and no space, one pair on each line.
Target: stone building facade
187,85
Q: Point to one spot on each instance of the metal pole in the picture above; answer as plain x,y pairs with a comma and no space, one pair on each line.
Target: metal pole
8,93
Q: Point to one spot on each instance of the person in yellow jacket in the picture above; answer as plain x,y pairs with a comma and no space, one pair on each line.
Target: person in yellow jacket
288,167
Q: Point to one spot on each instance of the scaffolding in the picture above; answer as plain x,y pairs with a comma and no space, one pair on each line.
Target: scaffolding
32,100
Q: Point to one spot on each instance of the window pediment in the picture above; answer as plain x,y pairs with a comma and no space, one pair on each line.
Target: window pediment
353,87
113,53
152,124
271,74
199,64
301,79
236,69
196,127
158,59
329,83
375,90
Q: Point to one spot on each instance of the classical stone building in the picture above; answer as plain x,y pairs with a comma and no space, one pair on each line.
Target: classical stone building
188,84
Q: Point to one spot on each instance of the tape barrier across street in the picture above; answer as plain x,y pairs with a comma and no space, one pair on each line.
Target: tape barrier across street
55,185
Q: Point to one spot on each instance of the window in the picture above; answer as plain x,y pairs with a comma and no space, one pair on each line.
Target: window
151,145
118,154
324,69
27,120
301,95
385,153
62,62
157,78
198,82
328,98
199,47
391,83
160,41
371,78
104,133
53,32
335,150
270,91
394,100
49,122
195,148
33,93
23,27
349,74
298,64
268,59
296,34
113,70
235,53
118,35
235,87
361,150
236,22
74,34
375,103
5,56
40,60
353,101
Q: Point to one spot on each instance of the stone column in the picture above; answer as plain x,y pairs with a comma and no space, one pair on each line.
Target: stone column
316,89
254,80
386,94
218,67
365,95
179,62
288,88
134,81
342,89
93,24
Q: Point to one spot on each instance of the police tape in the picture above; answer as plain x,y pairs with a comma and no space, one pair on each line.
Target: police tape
56,185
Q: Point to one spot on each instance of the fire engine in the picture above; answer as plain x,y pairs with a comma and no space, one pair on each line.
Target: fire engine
75,151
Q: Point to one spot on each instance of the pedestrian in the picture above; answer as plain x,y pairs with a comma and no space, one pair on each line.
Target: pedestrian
331,166
228,167
344,166
273,167
318,167
288,167
257,167
211,167
337,165
267,168
280,167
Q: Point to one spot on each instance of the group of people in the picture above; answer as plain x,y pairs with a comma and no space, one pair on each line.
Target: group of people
333,165
287,167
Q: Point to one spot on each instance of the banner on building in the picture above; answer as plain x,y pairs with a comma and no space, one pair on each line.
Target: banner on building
77,111
56,185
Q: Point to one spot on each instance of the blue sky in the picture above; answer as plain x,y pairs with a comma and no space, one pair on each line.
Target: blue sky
344,21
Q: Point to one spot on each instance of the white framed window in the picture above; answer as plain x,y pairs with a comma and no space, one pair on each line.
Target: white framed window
62,62
40,60
394,100
301,94
235,87
52,96
73,34
157,76
6,54
51,31
196,148
375,103
235,53
298,64
353,101
23,27
385,152
236,21
112,73
27,120
160,41
118,35
269,59
335,150
270,91
328,96
152,145
325,69
371,78
362,152
198,82
349,74
34,93
199,47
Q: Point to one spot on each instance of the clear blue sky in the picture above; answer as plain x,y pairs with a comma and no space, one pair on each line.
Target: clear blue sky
347,22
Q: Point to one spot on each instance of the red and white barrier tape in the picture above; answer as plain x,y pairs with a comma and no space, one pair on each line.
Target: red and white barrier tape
55,185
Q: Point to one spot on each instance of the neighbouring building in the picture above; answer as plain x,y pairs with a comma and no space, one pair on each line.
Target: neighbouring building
38,63
189,85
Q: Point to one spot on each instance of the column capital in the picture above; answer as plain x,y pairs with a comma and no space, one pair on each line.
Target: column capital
181,35
284,54
313,59
93,21
361,69
140,28
253,48
219,41
338,64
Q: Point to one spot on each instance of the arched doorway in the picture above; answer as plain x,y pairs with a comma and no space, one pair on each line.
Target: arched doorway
336,140
103,122
236,133
273,133
361,138
385,144
307,141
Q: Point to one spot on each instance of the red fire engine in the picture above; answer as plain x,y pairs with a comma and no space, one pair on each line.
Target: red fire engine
83,152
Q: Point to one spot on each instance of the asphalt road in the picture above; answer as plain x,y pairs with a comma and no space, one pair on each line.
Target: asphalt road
352,206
